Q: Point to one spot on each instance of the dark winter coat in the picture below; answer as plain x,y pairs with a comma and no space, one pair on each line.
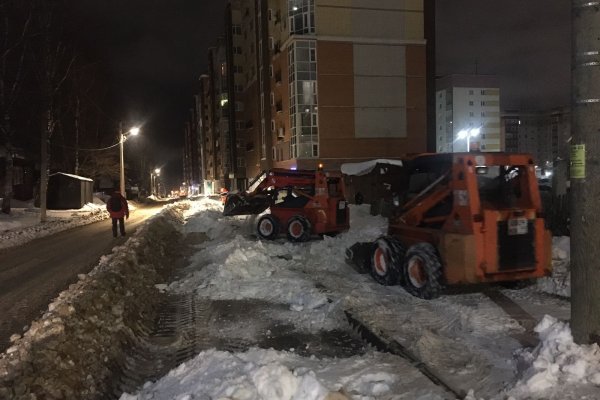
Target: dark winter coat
123,212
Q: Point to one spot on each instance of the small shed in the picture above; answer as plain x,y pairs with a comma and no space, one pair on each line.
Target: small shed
374,182
67,191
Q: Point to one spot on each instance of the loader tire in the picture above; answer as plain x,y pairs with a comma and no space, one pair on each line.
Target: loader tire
386,260
298,229
423,271
267,227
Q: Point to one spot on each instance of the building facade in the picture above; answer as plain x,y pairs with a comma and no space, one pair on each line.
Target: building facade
468,113
304,82
543,134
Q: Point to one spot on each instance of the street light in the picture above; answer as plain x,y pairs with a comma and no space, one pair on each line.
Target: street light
468,134
153,176
122,137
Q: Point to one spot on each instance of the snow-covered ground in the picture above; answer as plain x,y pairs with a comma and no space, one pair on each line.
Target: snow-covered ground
466,339
23,223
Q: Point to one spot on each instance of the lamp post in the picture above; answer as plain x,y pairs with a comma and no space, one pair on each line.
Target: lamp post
153,176
122,137
468,134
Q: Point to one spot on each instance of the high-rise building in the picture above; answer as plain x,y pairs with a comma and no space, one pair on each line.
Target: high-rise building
468,114
316,81
544,134
348,80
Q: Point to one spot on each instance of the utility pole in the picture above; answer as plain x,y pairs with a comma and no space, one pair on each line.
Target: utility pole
121,160
585,172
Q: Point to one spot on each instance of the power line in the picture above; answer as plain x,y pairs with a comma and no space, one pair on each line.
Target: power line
80,149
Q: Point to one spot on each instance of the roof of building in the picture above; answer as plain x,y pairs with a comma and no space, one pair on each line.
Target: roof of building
81,178
363,168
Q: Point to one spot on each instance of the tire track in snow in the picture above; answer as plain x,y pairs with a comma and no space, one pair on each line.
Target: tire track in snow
391,346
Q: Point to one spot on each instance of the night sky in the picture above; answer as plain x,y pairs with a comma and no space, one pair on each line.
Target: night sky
155,50
526,43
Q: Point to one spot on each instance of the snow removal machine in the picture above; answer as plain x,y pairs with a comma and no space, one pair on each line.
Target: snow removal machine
301,202
461,218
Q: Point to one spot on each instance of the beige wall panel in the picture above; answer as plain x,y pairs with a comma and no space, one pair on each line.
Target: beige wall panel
380,122
387,4
369,23
375,60
333,22
372,91
379,91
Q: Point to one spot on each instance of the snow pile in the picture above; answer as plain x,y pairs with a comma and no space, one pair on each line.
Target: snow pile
560,281
363,168
23,223
557,363
77,347
274,375
256,374
277,271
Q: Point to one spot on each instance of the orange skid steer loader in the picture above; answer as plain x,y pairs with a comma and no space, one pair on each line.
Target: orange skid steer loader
302,203
462,218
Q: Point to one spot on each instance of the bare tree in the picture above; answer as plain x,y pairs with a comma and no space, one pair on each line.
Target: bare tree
15,25
585,182
55,59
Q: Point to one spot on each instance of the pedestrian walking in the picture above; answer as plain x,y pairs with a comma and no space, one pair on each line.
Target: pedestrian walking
118,209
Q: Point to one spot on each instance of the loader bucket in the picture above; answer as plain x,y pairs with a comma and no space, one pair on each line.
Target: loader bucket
239,204
358,256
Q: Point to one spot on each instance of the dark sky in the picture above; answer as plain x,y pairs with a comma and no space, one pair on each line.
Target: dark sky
155,50
526,43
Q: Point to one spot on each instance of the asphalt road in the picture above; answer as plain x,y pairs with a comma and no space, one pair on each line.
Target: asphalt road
33,274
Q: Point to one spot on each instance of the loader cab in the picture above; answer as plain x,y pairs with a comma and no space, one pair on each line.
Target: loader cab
503,186
291,197
425,176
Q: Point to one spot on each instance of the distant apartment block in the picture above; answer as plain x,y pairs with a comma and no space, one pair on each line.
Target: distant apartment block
295,83
468,103
544,134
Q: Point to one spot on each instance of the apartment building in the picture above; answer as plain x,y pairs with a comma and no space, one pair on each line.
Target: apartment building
348,81
214,114
544,134
468,114
296,83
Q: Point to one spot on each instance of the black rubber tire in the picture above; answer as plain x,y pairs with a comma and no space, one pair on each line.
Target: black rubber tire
386,259
267,227
298,229
424,279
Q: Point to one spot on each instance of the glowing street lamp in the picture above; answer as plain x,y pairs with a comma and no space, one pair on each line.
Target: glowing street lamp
122,137
468,134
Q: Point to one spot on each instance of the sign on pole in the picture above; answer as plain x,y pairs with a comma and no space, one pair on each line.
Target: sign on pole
578,161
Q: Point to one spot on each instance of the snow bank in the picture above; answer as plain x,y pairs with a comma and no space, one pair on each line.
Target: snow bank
560,281
23,223
256,374
79,344
557,365
274,271
259,374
